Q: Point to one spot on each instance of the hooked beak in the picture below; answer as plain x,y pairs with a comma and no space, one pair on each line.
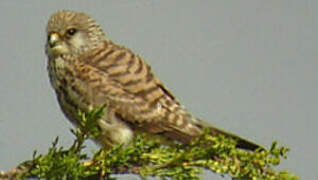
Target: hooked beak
53,39
55,45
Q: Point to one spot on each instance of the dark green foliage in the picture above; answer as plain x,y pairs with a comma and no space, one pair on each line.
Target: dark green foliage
147,157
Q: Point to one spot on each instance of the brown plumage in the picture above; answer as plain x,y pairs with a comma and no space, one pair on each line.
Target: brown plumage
88,70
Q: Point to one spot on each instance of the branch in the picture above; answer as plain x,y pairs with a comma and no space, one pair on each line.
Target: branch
148,157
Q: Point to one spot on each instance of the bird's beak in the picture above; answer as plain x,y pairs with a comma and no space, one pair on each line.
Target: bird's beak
53,39
55,45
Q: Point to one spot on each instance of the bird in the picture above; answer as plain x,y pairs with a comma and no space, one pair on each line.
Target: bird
87,70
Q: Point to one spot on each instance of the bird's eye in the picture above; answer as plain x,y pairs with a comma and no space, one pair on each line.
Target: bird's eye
71,31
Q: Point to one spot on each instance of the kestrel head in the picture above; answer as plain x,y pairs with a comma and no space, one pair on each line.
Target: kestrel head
70,32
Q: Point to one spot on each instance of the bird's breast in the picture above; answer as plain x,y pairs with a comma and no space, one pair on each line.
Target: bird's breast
71,93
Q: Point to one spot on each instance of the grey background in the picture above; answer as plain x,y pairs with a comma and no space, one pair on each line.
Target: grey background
247,66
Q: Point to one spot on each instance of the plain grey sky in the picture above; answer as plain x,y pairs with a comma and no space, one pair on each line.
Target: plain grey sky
247,66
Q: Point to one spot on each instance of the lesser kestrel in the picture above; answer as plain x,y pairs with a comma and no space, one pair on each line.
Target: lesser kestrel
87,70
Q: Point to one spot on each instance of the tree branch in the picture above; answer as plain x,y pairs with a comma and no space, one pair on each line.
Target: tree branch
148,157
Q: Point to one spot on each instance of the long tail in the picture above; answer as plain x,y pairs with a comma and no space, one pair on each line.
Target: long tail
241,143
195,127
184,127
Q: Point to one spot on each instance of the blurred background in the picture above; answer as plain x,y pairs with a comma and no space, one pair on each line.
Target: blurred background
249,67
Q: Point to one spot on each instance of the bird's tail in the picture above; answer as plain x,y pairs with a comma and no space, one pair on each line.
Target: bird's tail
184,127
195,127
241,143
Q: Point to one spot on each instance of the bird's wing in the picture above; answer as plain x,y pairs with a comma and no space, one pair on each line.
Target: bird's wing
124,80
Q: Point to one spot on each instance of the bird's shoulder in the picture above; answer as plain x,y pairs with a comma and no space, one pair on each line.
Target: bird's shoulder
132,75
128,69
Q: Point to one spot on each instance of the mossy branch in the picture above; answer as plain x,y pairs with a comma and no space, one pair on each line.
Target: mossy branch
148,157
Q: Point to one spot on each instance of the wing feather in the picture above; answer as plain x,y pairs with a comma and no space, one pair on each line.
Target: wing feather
131,89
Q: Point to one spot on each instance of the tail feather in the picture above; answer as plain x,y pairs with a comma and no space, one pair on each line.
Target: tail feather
241,143
185,127
195,127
